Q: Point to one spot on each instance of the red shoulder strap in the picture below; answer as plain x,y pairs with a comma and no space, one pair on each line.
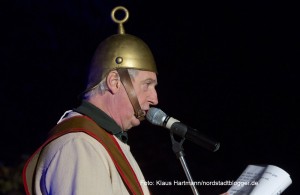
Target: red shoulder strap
86,125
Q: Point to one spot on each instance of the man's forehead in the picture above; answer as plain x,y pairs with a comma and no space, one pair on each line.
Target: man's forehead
144,73
147,76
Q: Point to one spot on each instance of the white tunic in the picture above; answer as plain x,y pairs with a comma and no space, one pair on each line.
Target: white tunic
77,164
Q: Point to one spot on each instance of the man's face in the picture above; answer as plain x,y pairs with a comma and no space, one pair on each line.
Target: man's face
144,84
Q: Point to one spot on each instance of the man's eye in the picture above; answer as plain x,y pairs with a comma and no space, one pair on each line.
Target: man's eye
146,85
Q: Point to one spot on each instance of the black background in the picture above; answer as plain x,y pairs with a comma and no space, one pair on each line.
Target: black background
228,69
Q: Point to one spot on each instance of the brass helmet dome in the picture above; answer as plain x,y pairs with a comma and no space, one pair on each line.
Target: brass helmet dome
119,51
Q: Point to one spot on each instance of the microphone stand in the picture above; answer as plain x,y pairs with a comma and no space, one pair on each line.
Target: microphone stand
178,150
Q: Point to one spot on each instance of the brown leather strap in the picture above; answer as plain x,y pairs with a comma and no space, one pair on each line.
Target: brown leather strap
86,125
126,81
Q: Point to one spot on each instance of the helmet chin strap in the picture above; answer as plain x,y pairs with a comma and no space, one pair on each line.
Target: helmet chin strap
126,81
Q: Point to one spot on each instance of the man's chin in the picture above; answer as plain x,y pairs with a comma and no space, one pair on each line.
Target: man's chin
136,122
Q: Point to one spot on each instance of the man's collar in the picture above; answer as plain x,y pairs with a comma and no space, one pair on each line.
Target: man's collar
102,119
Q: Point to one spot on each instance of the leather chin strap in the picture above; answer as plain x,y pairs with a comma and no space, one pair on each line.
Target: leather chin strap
126,81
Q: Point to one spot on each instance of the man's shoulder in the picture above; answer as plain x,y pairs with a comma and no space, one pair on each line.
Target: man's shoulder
72,143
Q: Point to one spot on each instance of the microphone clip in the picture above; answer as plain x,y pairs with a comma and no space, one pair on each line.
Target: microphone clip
177,146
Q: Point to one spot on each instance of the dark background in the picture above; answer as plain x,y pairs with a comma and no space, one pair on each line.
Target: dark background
228,69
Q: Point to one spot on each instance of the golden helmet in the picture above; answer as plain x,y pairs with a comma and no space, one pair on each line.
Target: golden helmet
120,51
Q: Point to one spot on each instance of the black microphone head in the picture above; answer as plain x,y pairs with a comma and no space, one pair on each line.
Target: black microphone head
156,116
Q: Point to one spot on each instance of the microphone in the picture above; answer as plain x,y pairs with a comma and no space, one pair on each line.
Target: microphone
157,117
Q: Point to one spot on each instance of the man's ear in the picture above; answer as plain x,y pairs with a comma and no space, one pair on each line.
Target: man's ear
113,81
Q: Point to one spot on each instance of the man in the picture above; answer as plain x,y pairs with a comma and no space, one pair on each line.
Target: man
86,152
